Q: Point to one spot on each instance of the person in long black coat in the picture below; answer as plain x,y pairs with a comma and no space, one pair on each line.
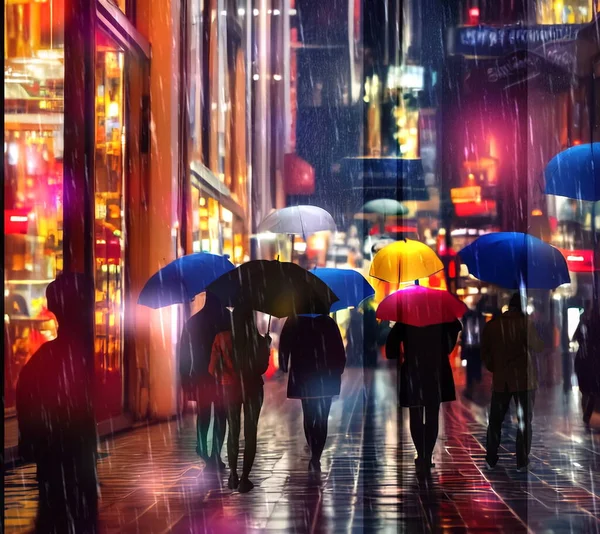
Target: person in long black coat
587,361
194,350
313,351
425,379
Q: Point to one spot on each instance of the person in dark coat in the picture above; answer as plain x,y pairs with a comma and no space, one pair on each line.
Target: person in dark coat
474,323
194,351
312,349
361,337
506,348
587,361
57,429
425,379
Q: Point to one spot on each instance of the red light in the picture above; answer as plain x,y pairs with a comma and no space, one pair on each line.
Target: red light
452,270
474,12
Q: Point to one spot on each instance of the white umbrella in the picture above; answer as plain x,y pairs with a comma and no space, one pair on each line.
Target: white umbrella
298,220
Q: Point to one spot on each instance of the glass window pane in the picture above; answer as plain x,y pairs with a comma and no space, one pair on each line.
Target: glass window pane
33,170
109,225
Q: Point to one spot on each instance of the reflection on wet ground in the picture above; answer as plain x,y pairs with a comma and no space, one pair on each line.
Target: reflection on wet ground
153,482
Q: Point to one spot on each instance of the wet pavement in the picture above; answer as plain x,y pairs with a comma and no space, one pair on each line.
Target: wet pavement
153,482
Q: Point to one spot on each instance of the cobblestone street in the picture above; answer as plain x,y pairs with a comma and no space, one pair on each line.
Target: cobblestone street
153,482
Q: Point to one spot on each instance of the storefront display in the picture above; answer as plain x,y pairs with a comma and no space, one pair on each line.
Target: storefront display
33,170
109,225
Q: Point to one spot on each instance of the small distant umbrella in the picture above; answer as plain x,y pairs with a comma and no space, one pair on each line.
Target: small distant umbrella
349,286
405,261
421,306
276,288
385,207
181,280
514,260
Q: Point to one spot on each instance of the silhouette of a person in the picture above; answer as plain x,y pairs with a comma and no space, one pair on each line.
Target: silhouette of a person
425,379
587,361
473,325
313,350
239,358
506,348
194,349
57,429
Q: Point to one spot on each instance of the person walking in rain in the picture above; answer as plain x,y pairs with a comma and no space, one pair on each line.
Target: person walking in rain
506,348
425,380
474,323
239,358
57,429
194,350
312,349
587,361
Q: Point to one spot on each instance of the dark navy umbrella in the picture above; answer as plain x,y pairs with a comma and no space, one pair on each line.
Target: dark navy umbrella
349,286
515,261
575,173
181,280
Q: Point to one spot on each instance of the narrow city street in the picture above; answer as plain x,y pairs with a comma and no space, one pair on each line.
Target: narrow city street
153,482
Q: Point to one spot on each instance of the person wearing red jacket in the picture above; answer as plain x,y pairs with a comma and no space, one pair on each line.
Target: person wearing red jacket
239,358
57,429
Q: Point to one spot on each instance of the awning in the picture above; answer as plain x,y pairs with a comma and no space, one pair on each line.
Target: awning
387,177
206,180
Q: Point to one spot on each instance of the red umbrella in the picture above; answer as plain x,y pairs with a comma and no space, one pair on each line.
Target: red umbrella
421,306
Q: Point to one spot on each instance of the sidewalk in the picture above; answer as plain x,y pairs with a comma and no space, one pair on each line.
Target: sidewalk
153,482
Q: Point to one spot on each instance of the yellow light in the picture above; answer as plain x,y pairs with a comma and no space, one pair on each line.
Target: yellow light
471,176
536,213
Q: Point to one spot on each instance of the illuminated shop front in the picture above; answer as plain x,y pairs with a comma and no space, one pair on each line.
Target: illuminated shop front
35,165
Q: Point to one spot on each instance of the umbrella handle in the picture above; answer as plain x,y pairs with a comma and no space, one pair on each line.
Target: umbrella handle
269,326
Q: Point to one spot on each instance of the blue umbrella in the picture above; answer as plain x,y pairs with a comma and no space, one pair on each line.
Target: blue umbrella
181,280
350,286
515,261
575,173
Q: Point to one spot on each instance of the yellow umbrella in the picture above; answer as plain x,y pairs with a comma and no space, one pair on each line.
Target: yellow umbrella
405,261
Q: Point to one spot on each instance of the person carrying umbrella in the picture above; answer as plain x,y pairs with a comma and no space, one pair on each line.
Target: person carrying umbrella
422,339
194,352
239,358
313,350
505,350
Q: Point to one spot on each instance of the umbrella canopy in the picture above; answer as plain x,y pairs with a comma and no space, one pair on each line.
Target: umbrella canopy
575,173
421,306
298,220
348,285
385,207
405,261
514,260
181,280
273,287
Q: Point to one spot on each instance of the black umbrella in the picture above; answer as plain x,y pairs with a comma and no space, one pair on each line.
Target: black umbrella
273,287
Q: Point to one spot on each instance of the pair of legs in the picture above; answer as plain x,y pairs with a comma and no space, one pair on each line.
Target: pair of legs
251,404
424,427
316,415
205,410
68,495
524,401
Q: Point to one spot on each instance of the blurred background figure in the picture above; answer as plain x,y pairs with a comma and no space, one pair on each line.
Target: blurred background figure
57,429
312,349
194,351
362,337
473,325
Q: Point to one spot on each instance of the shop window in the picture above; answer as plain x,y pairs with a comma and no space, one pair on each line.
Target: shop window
109,225
564,12
33,171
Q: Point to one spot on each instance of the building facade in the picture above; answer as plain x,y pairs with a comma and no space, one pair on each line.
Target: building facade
132,130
